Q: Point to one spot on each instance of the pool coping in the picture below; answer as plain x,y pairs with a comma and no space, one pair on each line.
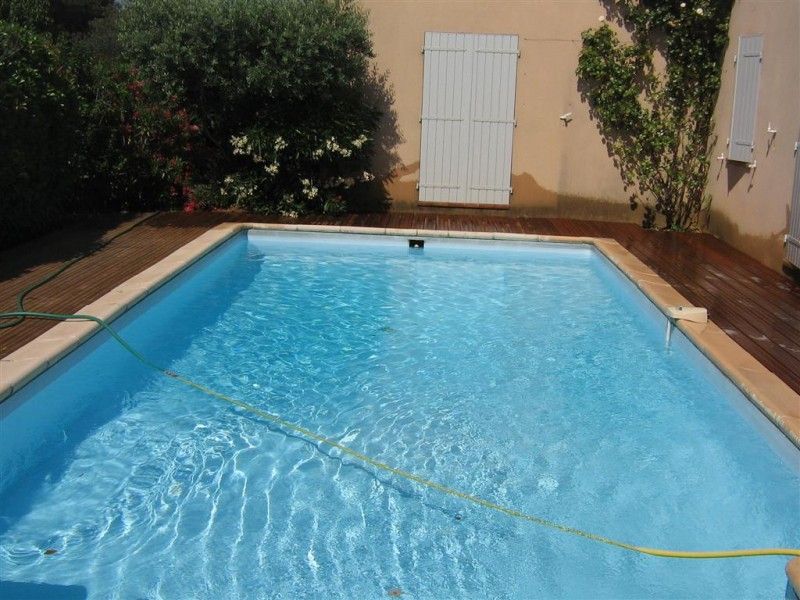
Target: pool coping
772,396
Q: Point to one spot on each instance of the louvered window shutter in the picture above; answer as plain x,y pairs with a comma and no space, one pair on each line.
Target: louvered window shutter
745,98
467,118
793,237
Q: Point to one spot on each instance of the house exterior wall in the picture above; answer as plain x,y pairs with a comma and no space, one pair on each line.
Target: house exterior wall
560,170
750,207
557,170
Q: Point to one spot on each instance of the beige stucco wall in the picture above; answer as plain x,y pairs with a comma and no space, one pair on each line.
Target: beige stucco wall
556,169
750,207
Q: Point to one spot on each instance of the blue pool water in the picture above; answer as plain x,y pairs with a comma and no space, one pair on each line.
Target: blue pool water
533,376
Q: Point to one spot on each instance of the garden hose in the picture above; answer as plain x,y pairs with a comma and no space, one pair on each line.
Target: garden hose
408,475
21,296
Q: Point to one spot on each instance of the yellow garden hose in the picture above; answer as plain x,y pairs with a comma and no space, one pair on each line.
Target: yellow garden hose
308,434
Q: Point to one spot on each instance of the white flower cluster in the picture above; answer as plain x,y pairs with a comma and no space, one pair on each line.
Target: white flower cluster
239,191
226,183
241,145
310,191
244,191
347,182
359,141
333,146
698,10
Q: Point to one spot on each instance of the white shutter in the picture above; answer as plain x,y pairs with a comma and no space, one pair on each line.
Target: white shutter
445,115
745,98
467,118
793,237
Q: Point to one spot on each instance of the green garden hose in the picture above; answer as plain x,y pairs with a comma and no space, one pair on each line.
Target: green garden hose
23,294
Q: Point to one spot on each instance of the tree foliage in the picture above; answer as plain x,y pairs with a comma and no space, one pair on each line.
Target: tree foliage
39,117
277,87
144,104
657,124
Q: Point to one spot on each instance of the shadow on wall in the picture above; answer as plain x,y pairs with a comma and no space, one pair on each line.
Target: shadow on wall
766,249
374,196
633,204
529,199
737,171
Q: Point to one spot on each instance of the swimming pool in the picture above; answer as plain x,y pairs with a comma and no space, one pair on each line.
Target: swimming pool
533,375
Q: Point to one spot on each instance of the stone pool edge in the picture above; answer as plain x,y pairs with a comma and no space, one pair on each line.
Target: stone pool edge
774,398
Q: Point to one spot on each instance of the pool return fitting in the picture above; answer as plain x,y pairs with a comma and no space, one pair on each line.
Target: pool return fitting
20,315
695,314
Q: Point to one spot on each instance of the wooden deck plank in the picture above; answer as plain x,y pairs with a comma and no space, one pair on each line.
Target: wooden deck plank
759,308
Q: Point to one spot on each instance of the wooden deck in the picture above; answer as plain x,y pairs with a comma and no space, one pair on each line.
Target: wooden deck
757,307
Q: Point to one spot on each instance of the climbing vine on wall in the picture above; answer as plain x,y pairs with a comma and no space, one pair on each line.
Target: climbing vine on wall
657,122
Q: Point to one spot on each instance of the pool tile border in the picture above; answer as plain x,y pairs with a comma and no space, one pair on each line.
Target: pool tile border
776,400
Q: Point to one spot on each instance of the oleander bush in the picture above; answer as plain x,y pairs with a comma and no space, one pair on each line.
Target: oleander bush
137,143
278,88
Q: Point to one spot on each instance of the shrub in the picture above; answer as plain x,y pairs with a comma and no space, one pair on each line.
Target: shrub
38,137
33,14
657,125
278,87
136,143
54,16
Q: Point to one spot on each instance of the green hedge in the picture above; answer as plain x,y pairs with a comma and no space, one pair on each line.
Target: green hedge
146,104
39,141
